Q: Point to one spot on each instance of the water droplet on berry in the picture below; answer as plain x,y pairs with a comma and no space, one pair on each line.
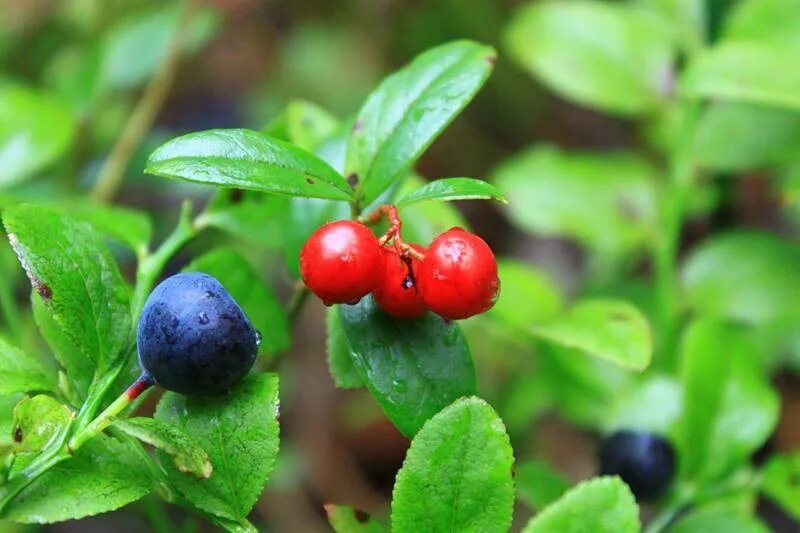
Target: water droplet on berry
202,318
258,338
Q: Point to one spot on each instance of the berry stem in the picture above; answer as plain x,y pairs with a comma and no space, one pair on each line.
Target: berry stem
393,233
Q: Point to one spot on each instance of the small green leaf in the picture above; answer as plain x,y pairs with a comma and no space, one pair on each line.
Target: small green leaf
743,276
303,124
449,189
685,18
764,21
528,296
76,278
130,227
423,222
614,57
653,405
602,505
781,482
35,130
604,200
344,519
39,421
414,368
78,487
21,372
340,358
254,217
538,485
716,518
610,329
745,72
248,160
409,109
457,473
186,454
252,294
239,431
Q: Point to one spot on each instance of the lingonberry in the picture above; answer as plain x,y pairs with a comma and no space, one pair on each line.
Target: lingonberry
458,277
397,292
645,461
341,262
193,337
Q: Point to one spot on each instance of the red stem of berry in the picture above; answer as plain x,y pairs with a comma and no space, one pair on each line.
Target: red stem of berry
142,383
393,233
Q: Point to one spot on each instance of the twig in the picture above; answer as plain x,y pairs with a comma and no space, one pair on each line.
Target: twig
141,119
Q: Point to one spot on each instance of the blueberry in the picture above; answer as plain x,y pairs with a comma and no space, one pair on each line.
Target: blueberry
193,337
645,461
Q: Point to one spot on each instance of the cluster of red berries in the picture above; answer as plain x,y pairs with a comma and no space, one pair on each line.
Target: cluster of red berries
456,277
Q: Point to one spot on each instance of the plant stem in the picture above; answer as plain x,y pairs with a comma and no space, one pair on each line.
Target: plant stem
296,302
142,117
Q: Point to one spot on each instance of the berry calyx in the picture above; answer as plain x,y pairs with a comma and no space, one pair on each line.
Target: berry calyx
458,276
341,262
193,337
397,292
645,461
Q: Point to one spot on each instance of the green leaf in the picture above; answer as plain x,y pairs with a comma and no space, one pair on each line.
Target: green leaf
77,487
122,64
75,276
743,276
248,160
423,222
457,473
303,124
613,57
35,130
604,200
528,296
685,18
745,72
38,422
717,519
251,216
21,372
603,504
653,405
130,227
781,482
413,368
725,139
186,454
340,359
344,519
449,189
764,21
538,485
610,329
239,431
252,294
409,109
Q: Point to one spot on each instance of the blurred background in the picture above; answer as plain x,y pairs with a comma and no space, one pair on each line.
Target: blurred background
85,64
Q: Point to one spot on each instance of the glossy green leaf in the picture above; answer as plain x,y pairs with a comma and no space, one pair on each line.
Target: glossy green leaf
340,359
734,137
780,481
604,200
38,422
74,275
613,57
423,222
77,487
122,65
610,329
252,294
717,519
743,276
35,130
409,109
457,473
538,485
602,505
653,405
449,189
130,227
413,368
248,160
239,431
186,454
344,519
22,372
745,72
764,21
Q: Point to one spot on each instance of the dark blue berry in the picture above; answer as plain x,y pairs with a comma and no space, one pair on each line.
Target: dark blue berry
193,337
645,461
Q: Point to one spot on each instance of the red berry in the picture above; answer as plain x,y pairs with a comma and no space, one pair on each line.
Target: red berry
397,292
458,277
341,262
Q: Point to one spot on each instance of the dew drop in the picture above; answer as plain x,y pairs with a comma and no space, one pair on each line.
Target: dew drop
202,318
258,338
